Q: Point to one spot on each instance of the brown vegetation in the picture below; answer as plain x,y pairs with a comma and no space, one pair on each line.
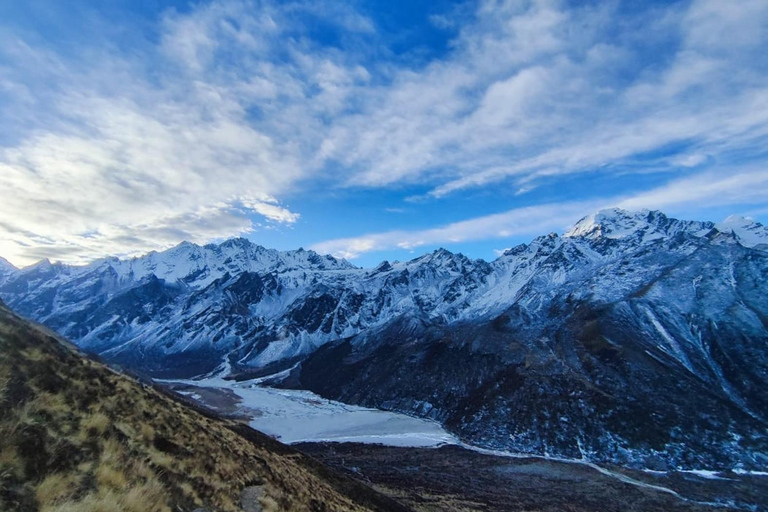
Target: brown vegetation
78,436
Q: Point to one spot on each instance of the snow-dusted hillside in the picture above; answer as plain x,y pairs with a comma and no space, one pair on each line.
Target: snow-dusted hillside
559,346
6,270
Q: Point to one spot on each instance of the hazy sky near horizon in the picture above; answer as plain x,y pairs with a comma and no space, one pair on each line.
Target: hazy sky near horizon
370,129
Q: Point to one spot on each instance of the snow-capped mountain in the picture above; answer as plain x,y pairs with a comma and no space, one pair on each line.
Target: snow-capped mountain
748,232
633,337
642,226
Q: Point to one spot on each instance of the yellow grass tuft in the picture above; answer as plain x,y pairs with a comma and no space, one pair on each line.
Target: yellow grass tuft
55,489
269,504
146,431
148,497
108,477
95,424
5,380
160,459
10,462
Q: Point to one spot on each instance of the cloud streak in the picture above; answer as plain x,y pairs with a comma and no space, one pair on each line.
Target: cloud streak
535,91
745,186
533,220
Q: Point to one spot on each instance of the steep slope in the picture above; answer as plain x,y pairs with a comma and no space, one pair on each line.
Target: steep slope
76,436
643,343
563,346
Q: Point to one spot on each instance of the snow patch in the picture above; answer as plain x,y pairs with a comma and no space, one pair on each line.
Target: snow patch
294,416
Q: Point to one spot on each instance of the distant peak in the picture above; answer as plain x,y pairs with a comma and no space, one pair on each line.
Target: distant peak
384,266
614,223
6,265
643,225
737,221
747,231
436,255
43,263
236,242
184,245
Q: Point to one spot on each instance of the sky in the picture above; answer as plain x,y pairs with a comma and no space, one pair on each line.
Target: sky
371,130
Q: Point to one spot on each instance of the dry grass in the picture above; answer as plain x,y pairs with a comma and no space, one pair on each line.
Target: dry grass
148,497
79,437
56,489
5,379
94,425
108,477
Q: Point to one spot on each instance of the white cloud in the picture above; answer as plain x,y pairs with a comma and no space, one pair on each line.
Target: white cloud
723,188
268,207
539,89
124,154
235,106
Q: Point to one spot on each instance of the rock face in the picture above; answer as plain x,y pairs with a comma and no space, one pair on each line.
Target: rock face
634,337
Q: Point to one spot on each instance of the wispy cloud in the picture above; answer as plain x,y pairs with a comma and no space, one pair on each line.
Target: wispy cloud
533,220
722,188
235,105
129,153
743,186
536,90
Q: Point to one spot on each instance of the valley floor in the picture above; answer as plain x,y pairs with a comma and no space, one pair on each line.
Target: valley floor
426,468
294,416
452,478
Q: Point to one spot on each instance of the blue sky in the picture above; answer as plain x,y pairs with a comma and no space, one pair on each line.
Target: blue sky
370,129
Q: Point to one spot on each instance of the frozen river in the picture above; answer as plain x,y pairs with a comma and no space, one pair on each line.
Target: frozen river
294,416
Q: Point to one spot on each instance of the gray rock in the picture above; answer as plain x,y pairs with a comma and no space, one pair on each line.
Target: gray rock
249,498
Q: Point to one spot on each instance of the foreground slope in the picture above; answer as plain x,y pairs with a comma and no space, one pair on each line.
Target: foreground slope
76,436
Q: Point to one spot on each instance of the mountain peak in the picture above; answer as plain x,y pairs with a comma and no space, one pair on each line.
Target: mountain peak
7,269
6,266
614,223
185,243
747,231
237,242
645,225
442,252
738,219
44,263
439,256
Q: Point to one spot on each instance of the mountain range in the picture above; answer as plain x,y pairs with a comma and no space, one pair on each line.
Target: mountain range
633,338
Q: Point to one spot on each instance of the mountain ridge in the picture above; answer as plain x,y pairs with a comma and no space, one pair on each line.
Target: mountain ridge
621,299
741,227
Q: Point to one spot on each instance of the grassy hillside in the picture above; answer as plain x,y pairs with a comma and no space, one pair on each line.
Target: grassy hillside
78,436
